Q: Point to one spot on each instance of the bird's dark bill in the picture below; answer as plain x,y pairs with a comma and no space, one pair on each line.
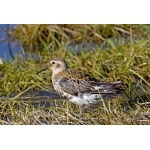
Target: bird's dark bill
42,70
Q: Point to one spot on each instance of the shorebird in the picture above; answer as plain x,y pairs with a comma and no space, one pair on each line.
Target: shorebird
78,87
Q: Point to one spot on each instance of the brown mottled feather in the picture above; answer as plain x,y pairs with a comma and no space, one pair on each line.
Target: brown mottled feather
74,82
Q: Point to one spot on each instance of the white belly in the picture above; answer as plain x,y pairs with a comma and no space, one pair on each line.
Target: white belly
80,99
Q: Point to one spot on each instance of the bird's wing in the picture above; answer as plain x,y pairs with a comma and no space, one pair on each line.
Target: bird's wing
80,82
76,86
74,82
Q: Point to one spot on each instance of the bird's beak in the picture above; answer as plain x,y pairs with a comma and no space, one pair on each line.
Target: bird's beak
43,69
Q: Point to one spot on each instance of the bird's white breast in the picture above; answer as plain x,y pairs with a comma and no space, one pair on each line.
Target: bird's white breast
81,99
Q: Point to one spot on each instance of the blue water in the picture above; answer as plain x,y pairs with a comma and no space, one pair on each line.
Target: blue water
9,47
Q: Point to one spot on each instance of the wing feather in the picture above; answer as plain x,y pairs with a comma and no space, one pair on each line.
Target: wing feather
84,83
74,88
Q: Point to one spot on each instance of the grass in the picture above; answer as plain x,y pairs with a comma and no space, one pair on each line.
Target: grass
126,61
39,36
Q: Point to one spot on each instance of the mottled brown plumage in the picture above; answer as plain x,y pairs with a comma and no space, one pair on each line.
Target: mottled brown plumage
73,82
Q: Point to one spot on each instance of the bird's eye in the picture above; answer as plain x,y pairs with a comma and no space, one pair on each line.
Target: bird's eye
53,62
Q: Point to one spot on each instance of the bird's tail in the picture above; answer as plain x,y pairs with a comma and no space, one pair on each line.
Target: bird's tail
110,88
117,86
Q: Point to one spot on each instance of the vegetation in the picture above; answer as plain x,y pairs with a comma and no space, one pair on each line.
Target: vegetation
125,56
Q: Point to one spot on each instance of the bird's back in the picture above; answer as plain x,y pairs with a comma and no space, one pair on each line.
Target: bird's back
74,82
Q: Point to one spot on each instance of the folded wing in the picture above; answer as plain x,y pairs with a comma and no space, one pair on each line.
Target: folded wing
93,86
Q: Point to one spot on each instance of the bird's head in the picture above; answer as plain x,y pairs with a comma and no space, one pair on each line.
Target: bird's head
57,65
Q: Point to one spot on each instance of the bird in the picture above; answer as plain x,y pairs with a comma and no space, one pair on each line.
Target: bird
78,87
